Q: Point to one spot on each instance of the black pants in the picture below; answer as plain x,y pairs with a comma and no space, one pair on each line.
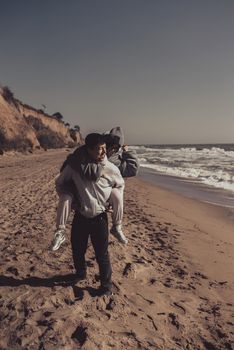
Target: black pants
97,228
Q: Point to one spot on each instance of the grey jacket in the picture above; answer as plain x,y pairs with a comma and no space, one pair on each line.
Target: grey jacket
127,162
81,162
92,196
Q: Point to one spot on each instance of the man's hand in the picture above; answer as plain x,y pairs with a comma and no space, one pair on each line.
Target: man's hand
109,208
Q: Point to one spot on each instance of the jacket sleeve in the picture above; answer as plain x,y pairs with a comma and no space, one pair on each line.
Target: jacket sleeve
90,171
129,165
81,162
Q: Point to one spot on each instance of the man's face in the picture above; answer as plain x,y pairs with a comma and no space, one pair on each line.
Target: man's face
98,152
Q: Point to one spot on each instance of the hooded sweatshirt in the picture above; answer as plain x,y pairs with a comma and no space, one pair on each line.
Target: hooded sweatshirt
80,161
126,161
92,195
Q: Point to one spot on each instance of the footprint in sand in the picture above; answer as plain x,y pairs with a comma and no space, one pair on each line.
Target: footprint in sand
80,335
13,270
179,307
173,319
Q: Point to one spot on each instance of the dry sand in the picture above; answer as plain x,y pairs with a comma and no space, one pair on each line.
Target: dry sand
173,283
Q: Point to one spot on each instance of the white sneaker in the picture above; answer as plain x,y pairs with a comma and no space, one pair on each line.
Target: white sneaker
58,239
117,232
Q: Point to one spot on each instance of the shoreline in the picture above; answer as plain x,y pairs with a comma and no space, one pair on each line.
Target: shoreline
190,189
208,219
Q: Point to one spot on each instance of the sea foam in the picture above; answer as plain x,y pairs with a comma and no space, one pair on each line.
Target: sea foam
210,165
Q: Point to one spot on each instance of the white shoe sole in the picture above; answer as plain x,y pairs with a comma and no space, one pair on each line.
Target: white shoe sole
58,244
119,237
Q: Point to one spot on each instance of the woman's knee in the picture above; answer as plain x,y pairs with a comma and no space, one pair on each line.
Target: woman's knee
116,195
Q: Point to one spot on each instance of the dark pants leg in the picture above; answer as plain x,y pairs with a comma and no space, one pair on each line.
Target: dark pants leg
99,238
79,242
98,229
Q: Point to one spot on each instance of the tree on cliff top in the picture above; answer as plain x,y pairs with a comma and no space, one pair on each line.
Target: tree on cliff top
77,128
58,116
7,94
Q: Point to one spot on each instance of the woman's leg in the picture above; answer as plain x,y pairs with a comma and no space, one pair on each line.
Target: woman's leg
63,210
116,201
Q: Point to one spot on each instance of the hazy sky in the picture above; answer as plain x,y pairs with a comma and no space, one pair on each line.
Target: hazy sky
161,69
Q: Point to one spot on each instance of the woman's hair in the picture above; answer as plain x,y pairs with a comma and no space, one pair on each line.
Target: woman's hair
111,140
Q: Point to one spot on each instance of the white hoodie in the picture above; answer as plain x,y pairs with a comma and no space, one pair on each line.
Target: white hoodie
93,196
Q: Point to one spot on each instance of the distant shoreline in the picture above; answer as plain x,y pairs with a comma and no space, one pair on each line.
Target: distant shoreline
226,146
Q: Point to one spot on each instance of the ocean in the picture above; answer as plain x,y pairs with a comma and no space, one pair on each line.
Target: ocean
204,172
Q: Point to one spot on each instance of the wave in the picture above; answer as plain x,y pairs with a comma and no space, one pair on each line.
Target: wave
213,151
212,166
219,180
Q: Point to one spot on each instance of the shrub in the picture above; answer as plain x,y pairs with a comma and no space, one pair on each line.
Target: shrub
71,144
73,134
50,139
3,139
19,143
77,128
7,94
58,116
46,137
35,123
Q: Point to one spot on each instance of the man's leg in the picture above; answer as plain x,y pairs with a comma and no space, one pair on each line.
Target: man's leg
79,242
99,238
116,201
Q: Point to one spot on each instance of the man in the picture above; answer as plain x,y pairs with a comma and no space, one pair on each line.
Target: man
118,154
90,218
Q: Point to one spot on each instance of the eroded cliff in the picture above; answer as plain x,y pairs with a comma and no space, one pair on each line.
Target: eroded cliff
23,127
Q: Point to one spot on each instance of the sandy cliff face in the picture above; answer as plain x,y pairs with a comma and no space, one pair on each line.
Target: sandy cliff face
23,127
13,127
46,121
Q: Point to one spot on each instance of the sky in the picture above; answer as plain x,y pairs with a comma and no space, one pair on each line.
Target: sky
163,70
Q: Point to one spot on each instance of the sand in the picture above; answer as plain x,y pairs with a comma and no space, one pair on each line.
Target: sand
173,282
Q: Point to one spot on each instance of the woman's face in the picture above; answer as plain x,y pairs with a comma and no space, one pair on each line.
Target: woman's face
112,150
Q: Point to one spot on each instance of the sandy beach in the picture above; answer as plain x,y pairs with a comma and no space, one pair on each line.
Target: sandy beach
173,282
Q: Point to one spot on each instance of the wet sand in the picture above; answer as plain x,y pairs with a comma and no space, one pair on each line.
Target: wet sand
173,282
191,188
